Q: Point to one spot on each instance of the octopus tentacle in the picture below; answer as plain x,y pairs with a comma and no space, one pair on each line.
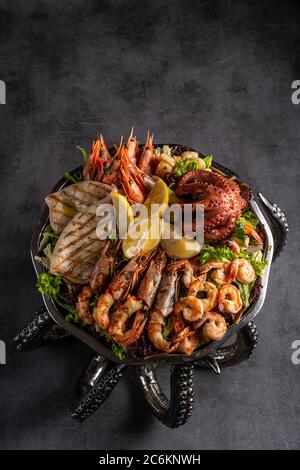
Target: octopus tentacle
221,198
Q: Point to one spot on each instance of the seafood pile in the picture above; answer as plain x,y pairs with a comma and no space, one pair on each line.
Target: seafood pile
151,295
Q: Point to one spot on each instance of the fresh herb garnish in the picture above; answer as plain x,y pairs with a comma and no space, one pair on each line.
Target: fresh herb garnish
247,218
118,351
208,161
167,329
83,152
73,177
240,232
53,286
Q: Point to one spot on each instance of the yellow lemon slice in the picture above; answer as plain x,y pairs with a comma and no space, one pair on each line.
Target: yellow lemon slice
124,213
158,199
143,235
179,248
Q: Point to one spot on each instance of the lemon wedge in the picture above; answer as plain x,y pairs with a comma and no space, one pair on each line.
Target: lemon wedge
179,248
173,199
158,199
124,213
143,235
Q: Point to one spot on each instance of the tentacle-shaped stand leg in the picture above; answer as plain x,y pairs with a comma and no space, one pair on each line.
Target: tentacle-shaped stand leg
94,387
176,411
40,330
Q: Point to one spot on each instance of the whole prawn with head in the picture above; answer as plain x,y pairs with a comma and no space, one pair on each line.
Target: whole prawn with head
139,304
98,160
102,273
164,305
120,287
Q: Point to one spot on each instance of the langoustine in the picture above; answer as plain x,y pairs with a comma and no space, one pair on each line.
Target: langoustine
139,304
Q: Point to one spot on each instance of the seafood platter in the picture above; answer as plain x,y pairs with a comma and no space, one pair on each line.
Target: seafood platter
119,270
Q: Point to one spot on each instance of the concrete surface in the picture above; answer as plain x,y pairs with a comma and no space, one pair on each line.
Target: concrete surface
215,75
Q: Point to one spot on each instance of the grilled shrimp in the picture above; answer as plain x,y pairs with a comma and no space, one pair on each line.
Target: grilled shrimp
230,299
164,306
189,343
167,290
97,161
147,157
212,264
220,271
119,288
140,304
104,267
242,270
83,305
211,299
215,326
102,272
155,329
191,308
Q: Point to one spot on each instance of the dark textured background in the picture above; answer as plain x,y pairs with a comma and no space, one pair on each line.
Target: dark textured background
215,75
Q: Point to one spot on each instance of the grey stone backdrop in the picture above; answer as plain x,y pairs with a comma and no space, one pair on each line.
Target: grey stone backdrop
215,75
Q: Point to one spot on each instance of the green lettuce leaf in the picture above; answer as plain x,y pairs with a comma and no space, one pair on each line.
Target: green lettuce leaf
184,165
53,286
245,291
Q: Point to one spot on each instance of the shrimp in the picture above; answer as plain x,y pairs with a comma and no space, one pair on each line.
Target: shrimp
235,247
141,303
104,267
112,173
190,340
215,327
102,272
119,288
132,147
220,271
191,308
211,299
97,161
131,179
189,344
197,285
147,157
83,305
167,289
230,299
163,308
155,329
212,264
242,270
249,230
